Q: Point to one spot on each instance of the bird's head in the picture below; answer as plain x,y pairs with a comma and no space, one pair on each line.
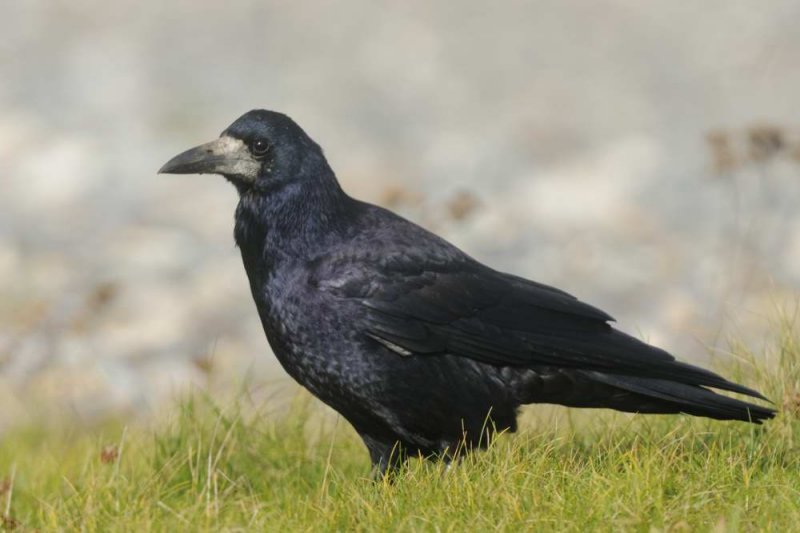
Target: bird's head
258,151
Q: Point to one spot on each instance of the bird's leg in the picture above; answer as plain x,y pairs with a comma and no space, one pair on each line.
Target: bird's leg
387,458
450,454
389,464
448,466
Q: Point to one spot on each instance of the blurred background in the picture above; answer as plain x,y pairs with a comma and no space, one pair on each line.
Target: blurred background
644,156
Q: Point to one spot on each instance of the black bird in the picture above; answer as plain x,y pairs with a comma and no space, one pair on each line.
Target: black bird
423,349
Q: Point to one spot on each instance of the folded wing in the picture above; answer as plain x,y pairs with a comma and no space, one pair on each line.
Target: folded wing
466,309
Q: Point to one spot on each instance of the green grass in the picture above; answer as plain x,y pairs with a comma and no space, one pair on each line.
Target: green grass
233,468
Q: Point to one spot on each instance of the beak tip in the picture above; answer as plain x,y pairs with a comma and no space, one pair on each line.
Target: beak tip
175,166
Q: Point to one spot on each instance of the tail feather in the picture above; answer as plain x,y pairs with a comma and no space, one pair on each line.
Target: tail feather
674,396
714,380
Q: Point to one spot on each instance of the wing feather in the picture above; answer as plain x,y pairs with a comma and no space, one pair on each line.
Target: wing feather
457,306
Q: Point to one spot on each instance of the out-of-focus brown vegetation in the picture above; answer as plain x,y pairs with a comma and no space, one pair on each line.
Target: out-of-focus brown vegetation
756,144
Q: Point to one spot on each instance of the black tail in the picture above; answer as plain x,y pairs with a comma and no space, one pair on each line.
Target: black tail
649,395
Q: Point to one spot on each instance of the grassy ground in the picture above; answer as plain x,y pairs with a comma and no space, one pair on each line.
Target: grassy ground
212,468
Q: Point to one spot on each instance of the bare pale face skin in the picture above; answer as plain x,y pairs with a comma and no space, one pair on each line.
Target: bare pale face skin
227,156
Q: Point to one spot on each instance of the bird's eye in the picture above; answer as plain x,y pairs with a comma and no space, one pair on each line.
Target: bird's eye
259,147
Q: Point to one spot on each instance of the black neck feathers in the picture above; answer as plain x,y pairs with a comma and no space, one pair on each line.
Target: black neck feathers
289,217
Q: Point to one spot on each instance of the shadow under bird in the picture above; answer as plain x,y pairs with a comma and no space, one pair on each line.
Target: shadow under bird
424,350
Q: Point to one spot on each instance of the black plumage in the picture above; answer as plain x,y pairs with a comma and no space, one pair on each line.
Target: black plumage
416,344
